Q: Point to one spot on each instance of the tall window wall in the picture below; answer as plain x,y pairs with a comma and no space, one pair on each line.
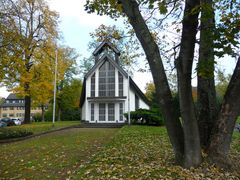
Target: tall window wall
120,84
102,112
93,85
92,111
106,80
121,111
111,112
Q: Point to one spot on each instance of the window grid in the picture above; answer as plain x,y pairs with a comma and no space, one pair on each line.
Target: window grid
120,82
93,85
106,79
121,111
111,112
102,111
136,102
92,112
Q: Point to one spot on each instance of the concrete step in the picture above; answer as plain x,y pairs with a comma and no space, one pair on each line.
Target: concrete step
101,125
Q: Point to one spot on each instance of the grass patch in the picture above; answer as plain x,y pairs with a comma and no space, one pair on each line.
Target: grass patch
6,133
133,152
143,152
38,127
52,156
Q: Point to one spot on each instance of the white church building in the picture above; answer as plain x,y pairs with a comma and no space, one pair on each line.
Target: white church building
106,89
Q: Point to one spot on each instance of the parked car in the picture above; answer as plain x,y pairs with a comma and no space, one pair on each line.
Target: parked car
8,121
17,121
3,124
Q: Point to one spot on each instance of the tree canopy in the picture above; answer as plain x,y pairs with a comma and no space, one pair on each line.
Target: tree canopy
184,17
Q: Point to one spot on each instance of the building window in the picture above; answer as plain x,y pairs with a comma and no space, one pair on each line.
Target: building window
11,115
93,85
106,80
11,108
4,108
19,114
111,112
102,111
92,112
120,84
136,102
4,115
111,80
121,112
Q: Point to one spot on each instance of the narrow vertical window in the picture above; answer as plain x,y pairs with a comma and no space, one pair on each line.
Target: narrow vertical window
120,84
121,112
136,102
92,112
111,80
111,112
93,85
102,112
102,80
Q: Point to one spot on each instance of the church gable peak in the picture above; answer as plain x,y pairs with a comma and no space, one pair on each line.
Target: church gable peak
106,48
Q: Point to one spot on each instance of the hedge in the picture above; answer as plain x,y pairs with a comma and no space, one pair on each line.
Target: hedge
145,116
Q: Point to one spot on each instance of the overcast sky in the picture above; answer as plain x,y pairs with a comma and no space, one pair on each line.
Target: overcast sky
76,24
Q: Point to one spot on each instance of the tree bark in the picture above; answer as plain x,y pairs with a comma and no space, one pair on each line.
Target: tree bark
192,150
174,127
27,117
43,113
206,99
224,126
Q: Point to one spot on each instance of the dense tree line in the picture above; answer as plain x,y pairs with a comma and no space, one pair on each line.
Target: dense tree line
29,37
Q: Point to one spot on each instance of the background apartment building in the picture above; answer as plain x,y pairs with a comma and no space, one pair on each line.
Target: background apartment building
14,106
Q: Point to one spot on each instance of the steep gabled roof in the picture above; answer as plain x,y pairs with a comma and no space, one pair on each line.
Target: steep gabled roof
120,69
13,96
100,48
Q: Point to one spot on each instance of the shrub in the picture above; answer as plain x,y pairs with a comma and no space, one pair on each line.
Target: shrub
73,114
144,116
37,117
6,133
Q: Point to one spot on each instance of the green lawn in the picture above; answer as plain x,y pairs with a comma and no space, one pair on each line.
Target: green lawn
37,127
53,156
145,152
134,152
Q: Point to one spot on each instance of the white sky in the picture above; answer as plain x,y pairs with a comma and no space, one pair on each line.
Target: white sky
76,25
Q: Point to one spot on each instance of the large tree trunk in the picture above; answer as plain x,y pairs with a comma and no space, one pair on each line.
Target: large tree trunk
43,113
174,127
27,115
224,126
192,154
207,108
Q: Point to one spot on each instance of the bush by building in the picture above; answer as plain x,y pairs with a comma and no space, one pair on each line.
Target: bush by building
145,117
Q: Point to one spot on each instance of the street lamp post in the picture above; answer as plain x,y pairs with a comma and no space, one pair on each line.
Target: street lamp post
55,88
129,120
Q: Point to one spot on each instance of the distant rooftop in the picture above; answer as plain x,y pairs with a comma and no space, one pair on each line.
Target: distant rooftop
13,96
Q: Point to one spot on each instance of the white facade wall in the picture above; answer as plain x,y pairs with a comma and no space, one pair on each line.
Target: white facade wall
143,105
132,100
83,115
86,108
